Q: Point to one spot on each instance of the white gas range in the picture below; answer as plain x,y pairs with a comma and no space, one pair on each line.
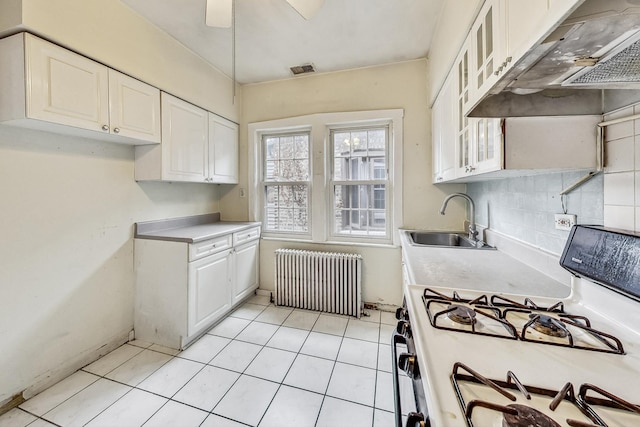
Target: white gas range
484,359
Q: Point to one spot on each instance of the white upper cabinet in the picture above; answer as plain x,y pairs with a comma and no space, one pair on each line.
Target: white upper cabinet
197,146
65,88
487,47
134,108
223,150
185,130
503,31
50,88
522,22
487,142
462,99
528,22
444,133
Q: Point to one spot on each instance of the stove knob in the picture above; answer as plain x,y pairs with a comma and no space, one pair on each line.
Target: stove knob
404,328
401,313
407,362
415,419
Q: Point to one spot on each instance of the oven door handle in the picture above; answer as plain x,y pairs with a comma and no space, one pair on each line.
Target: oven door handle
413,419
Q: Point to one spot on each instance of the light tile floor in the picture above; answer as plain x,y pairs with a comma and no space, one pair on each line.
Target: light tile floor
261,366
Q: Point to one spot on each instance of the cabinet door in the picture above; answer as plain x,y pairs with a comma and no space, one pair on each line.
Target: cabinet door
65,88
209,290
522,23
246,270
134,108
184,140
462,134
444,133
488,146
223,150
487,39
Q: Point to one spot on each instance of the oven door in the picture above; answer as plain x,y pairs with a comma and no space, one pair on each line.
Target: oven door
407,361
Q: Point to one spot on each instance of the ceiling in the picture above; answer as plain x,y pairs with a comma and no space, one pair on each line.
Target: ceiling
271,36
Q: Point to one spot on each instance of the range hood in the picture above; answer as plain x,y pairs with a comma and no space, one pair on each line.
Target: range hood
589,64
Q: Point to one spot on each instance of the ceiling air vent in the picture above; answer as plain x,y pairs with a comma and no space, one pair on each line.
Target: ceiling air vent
303,69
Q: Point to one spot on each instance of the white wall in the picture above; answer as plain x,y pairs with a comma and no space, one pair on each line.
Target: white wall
402,85
11,15
69,204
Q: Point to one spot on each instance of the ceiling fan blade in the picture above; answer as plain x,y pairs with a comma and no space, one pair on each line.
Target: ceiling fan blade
219,13
306,8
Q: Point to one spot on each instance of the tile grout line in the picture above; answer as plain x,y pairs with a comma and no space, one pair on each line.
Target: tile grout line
290,366
263,346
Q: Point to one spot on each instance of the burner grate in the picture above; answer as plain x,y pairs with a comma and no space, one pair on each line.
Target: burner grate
501,317
525,405
560,329
518,405
464,315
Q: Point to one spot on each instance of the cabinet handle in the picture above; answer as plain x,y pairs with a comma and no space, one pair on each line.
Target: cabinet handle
116,130
508,59
105,128
439,178
471,168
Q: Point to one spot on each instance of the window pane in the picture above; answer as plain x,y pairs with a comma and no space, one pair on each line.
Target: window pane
360,210
356,152
271,148
377,140
287,147
286,158
301,146
286,208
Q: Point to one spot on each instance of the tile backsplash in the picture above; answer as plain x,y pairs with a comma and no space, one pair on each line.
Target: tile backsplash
622,171
524,207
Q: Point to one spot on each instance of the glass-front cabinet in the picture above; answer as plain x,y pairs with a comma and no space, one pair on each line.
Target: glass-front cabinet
487,42
487,142
463,100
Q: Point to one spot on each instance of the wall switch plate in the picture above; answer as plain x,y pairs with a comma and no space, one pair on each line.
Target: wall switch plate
565,221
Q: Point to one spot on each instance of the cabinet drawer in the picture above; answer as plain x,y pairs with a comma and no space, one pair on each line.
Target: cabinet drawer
246,235
208,247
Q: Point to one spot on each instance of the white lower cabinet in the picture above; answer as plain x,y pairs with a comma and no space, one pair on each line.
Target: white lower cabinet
209,290
182,289
246,270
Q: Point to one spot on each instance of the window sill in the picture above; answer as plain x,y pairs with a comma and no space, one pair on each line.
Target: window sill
332,242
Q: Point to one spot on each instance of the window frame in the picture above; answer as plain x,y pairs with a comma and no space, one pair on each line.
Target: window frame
271,183
320,192
372,181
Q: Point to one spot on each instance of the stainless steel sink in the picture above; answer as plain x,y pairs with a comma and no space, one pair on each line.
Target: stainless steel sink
445,239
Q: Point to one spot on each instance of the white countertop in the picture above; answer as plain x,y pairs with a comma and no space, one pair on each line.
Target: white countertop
476,269
197,233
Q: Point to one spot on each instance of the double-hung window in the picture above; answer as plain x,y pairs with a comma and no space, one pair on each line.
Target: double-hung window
286,171
329,177
359,182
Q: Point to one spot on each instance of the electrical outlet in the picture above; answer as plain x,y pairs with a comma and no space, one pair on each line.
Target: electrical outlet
564,221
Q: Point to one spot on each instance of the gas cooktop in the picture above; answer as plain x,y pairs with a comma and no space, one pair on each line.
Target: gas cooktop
499,359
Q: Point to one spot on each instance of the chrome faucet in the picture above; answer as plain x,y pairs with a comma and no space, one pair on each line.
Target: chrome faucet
472,213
